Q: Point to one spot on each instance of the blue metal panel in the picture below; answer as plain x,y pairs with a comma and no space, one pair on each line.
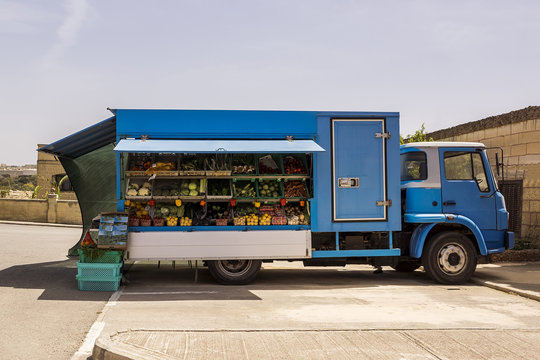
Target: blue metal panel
423,200
354,253
418,239
494,239
322,202
217,146
424,218
358,154
502,213
215,123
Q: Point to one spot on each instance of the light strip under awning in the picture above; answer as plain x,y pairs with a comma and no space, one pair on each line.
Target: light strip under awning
217,146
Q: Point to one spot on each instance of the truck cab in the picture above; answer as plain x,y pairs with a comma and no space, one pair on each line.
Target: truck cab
452,208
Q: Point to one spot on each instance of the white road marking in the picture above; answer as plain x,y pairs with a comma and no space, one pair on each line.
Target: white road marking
95,330
167,292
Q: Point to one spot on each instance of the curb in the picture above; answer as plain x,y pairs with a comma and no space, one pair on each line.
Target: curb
507,289
106,348
29,223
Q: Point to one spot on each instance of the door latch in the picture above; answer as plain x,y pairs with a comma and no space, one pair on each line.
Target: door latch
348,183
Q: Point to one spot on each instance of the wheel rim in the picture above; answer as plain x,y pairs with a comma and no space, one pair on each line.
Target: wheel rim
234,268
452,259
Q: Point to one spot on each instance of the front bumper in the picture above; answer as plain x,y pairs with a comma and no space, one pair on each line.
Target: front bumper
509,240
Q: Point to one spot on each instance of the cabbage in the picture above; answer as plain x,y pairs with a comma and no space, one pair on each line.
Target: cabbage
193,186
132,192
193,193
164,211
144,192
185,192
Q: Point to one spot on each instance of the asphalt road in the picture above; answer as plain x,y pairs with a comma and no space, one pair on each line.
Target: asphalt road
288,308
43,314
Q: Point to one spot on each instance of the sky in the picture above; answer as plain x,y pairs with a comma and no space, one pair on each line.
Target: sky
438,63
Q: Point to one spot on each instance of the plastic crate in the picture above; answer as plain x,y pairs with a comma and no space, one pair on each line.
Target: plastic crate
106,256
98,270
93,284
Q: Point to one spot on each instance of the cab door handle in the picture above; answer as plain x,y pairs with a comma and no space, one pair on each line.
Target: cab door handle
449,202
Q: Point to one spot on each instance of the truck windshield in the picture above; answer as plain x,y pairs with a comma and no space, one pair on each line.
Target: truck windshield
413,166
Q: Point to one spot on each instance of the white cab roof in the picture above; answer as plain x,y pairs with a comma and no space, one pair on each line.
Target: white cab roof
443,144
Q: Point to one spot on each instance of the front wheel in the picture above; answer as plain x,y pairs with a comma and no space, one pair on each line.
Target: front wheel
234,272
450,258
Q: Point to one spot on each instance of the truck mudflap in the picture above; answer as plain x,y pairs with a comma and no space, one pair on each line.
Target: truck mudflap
420,234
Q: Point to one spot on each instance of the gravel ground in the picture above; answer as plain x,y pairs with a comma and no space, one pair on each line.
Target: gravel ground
527,255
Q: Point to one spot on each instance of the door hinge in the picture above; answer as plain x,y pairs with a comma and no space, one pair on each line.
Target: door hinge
384,203
384,135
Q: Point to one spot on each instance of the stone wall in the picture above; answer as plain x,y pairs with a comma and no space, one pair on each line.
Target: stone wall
518,134
41,210
47,167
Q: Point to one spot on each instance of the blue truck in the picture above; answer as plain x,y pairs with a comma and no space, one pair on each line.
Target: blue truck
237,188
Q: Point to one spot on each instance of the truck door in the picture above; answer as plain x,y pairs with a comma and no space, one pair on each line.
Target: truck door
466,187
358,169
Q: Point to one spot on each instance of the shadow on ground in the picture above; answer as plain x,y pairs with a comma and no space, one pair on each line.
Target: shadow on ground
57,279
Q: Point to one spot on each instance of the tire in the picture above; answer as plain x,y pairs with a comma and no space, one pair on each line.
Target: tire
406,266
234,272
450,258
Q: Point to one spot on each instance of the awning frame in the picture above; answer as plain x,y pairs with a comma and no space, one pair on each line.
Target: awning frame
216,146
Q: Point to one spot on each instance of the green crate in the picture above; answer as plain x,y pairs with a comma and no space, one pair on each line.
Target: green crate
98,270
277,160
241,183
279,189
299,157
102,256
93,284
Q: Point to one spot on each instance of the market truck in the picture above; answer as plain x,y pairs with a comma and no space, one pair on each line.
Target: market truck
234,189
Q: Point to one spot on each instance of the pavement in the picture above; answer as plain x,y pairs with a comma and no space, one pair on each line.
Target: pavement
522,279
43,315
30,223
292,312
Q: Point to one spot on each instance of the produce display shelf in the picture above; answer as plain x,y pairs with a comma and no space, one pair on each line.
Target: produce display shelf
103,256
96,284
218,228
98,270
218,197
191,173
160,198
238,176
138,198
191,198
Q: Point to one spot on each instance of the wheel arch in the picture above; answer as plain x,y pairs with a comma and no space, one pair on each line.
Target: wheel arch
461,224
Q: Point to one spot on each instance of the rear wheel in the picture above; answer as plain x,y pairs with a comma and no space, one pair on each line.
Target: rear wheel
234,272
450,258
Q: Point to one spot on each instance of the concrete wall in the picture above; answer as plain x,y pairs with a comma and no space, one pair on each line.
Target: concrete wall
521,145
41,210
